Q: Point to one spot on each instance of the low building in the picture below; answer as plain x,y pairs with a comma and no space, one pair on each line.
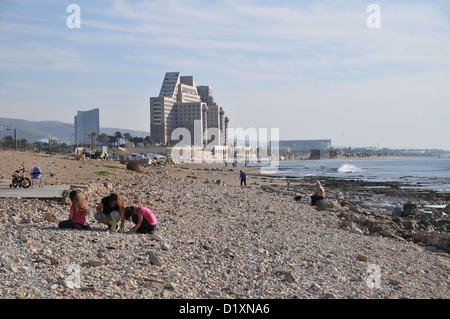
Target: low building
303,145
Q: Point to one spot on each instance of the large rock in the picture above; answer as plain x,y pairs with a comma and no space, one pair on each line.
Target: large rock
410,209
328,204
436,239
352,206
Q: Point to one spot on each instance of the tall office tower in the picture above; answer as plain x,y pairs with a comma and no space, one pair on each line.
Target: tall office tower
182,104
85,123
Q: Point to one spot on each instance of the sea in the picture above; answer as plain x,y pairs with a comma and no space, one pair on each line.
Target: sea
427,172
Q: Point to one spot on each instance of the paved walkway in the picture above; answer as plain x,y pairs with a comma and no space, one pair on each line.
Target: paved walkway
46,192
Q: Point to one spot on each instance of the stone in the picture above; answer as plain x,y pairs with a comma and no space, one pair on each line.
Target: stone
88,289
51,217
156,237
410,209
155,260
315,287
363,258
357,231
328,204
289,277
108,185
165,246
95,263
170,286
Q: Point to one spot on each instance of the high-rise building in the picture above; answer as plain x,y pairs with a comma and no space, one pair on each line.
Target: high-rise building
86,123
183,104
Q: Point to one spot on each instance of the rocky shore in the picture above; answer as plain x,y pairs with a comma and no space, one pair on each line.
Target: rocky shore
216,239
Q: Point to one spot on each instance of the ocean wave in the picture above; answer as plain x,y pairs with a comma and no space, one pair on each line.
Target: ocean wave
348,168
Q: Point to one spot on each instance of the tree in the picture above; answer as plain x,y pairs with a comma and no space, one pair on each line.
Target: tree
128,137
103,138
147,140
112,140
118,136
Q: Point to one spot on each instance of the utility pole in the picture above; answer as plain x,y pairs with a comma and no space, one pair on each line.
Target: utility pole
15,139
70,130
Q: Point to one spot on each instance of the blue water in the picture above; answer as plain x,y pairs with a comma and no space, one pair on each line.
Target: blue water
427,172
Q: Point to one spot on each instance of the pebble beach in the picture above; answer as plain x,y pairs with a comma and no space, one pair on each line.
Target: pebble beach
215,240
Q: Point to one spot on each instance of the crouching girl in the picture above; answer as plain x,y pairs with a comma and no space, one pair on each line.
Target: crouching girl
144,219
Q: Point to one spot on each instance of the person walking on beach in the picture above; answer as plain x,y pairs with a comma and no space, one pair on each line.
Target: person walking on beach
143,218
110,210
319,194
78,210
243,178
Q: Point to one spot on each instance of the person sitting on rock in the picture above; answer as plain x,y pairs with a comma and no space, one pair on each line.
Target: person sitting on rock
110,210
143,218
319,194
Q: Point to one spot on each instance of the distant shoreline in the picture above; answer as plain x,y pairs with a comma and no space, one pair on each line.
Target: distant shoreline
371,158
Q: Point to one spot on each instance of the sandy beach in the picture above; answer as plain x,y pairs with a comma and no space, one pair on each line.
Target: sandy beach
215,239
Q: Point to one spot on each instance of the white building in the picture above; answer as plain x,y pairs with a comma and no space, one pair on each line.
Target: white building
182,104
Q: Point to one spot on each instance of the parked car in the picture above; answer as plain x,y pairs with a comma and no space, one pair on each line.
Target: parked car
155,156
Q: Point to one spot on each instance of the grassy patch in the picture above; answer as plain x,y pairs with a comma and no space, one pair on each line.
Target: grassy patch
104,173
110,166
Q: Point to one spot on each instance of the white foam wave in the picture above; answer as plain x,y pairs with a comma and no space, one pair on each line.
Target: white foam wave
348,168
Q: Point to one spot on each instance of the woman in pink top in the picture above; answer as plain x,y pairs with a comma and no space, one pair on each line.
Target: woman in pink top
143,217
78,210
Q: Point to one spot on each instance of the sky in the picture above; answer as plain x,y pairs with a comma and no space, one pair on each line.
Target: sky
337,70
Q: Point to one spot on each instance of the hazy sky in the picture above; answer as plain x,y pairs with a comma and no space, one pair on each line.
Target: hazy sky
313,69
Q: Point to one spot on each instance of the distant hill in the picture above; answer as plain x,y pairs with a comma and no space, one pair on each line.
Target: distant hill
33,131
